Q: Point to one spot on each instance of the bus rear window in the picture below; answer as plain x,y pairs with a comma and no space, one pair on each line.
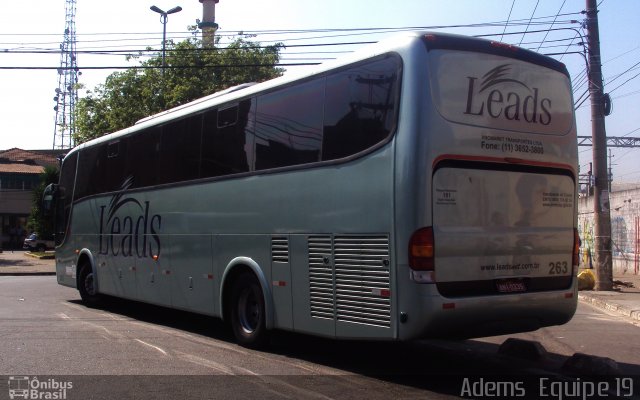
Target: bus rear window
497,92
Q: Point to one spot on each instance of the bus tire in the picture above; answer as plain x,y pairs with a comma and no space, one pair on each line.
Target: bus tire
248,311
86,285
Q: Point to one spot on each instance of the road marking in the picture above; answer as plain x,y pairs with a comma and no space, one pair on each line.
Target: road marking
244,371
114,317
64,316
269,383
152,346
205,363
190,337
74,306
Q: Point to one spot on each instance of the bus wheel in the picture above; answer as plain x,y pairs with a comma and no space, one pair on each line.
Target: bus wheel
248,311
86,285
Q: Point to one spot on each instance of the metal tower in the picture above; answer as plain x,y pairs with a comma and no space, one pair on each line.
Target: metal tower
67,92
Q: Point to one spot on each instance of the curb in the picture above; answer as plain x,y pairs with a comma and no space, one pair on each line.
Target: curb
27,273
39,257
610,306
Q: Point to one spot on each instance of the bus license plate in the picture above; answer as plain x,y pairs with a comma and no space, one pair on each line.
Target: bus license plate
511,286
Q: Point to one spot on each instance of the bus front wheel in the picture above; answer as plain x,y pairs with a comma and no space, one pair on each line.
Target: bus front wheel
86,285
248,311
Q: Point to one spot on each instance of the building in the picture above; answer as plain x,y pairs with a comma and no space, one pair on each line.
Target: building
19,175
624,207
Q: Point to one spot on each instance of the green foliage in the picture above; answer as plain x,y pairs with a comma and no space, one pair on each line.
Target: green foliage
191,72
37,222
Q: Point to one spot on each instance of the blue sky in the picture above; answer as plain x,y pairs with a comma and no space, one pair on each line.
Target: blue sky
27,116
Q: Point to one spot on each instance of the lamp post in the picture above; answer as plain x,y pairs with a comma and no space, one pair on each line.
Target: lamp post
163,20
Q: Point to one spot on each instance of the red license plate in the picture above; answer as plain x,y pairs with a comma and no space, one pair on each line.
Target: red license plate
511,286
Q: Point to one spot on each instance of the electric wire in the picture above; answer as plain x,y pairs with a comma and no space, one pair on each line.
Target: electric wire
527,28
554,20
508,18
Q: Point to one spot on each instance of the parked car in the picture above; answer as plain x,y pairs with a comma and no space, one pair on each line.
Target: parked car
32,242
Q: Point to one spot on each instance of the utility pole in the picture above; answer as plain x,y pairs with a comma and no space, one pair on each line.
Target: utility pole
610,169
602,214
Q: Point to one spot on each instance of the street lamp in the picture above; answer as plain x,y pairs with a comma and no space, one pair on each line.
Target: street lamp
163,20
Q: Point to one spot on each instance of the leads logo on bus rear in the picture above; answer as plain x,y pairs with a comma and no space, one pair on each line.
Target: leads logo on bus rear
134,233
496,96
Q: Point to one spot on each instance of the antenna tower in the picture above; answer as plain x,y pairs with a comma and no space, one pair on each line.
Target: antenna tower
66,93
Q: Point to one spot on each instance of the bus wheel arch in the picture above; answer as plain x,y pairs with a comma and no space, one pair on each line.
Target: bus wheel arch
87,279
246,302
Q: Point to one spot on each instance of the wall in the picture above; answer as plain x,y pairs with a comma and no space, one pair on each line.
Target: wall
625,218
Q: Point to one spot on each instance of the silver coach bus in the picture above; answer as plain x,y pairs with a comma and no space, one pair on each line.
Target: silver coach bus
422,187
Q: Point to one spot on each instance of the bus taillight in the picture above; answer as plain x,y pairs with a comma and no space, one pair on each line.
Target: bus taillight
421,252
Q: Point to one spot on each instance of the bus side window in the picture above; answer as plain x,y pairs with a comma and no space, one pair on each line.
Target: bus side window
360,107
114,169
289,126
180,150
91,171
224,147
142,161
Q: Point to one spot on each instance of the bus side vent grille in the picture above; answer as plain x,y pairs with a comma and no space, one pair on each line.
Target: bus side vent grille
362,280
321,277
280,249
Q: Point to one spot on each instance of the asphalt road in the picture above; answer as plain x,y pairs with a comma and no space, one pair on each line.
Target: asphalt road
127,349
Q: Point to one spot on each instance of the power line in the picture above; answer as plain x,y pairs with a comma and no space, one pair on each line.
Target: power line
554,20
623,83
352,31
532,14
627,70
167,67
508,18
245,33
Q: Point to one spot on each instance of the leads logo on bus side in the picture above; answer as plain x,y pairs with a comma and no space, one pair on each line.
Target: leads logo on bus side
131,234
507,104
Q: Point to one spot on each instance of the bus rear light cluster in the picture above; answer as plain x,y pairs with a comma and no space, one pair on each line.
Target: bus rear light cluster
506,46
421,255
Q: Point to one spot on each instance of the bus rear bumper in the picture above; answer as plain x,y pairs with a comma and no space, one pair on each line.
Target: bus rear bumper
473,317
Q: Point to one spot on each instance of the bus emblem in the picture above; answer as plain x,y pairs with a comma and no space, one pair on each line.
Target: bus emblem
134,232
489,99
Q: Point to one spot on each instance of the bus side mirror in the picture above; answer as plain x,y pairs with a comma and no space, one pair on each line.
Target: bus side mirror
48,199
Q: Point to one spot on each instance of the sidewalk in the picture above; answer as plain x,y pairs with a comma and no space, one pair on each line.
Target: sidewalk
19,262
622,300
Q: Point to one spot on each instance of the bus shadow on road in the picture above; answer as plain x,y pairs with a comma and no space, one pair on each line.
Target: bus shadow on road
435,365
172,318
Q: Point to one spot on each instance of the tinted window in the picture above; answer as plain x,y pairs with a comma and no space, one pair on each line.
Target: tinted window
116,162
226,139
180,150
289,126
91,171
113,149
360,107
143,158
65,196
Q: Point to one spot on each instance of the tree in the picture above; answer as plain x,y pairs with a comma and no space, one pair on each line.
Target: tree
191,72
37,221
